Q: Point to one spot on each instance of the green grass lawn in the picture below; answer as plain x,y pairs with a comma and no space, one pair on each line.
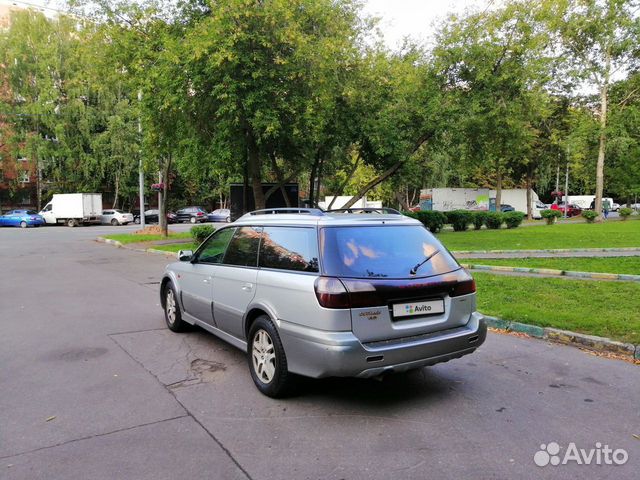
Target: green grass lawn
628,265
606,309
175,247
582,235
132,238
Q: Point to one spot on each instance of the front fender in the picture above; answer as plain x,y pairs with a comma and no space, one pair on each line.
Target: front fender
170,276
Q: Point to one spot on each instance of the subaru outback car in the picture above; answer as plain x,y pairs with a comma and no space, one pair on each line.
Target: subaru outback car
322,294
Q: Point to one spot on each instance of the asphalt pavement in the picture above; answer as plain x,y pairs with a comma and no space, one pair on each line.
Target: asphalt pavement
93,386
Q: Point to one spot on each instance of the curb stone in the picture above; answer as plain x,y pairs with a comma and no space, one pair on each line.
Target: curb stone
110,242
143,250
565,337
557,273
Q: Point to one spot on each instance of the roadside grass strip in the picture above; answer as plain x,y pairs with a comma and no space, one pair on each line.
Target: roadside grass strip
172,247
606,235
603,309
125,238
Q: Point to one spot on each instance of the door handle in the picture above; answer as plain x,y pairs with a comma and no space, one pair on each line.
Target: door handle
207,280
247,287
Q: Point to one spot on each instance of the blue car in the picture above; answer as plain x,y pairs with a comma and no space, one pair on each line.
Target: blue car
21,218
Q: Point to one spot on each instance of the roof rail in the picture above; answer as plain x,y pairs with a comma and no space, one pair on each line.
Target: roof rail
391,211
267,211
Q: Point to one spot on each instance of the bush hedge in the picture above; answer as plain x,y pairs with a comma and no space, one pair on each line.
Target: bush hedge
479,219
625,212
460,219
494,220
590,215
200,232
513,219
550,215
433,220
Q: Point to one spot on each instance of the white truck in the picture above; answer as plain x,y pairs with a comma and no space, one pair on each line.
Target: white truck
73,209
447,199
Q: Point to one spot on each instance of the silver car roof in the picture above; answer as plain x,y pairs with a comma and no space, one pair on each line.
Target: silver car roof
325,219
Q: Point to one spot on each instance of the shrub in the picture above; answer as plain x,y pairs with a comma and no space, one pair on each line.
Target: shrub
200,232
513,219
625,212
550,215
433,220
479,219
494,220
590,215
460,219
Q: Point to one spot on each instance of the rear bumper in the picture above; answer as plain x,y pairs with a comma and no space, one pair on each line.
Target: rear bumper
317,353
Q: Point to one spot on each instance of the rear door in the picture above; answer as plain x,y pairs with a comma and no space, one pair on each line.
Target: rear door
235,280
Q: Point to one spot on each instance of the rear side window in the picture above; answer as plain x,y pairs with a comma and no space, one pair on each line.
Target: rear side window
383,252
215,246
243,248
289,248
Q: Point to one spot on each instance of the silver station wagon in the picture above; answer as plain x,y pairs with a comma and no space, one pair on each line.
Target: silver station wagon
322,294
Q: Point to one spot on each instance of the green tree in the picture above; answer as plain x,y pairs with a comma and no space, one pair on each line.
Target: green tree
600,38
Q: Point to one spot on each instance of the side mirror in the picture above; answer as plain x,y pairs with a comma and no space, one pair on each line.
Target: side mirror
185,255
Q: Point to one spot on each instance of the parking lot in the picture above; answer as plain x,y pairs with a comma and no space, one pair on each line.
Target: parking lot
93,385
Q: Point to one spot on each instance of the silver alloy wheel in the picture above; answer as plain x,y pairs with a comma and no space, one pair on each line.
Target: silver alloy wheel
170,306
23,224
264,356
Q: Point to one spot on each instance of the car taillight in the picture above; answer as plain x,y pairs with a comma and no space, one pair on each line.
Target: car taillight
199,214
331,293
464,288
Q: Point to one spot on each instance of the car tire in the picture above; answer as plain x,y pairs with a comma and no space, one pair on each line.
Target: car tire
267,359
228,219
171,307
137,221
72,223
192,219
115,222
23,224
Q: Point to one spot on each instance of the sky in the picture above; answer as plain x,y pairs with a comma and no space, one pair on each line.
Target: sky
398,18
417,19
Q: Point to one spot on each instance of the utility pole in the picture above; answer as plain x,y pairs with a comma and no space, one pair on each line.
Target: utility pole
140,169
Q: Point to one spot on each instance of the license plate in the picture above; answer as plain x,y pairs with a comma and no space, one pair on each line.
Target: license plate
414,309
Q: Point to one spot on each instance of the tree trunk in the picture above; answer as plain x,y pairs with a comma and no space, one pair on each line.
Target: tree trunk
529,193
117,188
255,171
602,139
373,183
312,180
344,184
164,197
499,190
404,205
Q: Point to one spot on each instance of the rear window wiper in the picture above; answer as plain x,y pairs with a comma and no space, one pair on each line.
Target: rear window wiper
414,270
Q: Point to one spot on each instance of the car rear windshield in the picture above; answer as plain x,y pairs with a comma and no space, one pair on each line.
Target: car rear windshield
383,252
31,212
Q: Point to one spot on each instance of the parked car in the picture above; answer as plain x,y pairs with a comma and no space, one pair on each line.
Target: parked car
615,207
324,294
572,210
220,215
116,217
191,214
506,208
21,218
153,216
